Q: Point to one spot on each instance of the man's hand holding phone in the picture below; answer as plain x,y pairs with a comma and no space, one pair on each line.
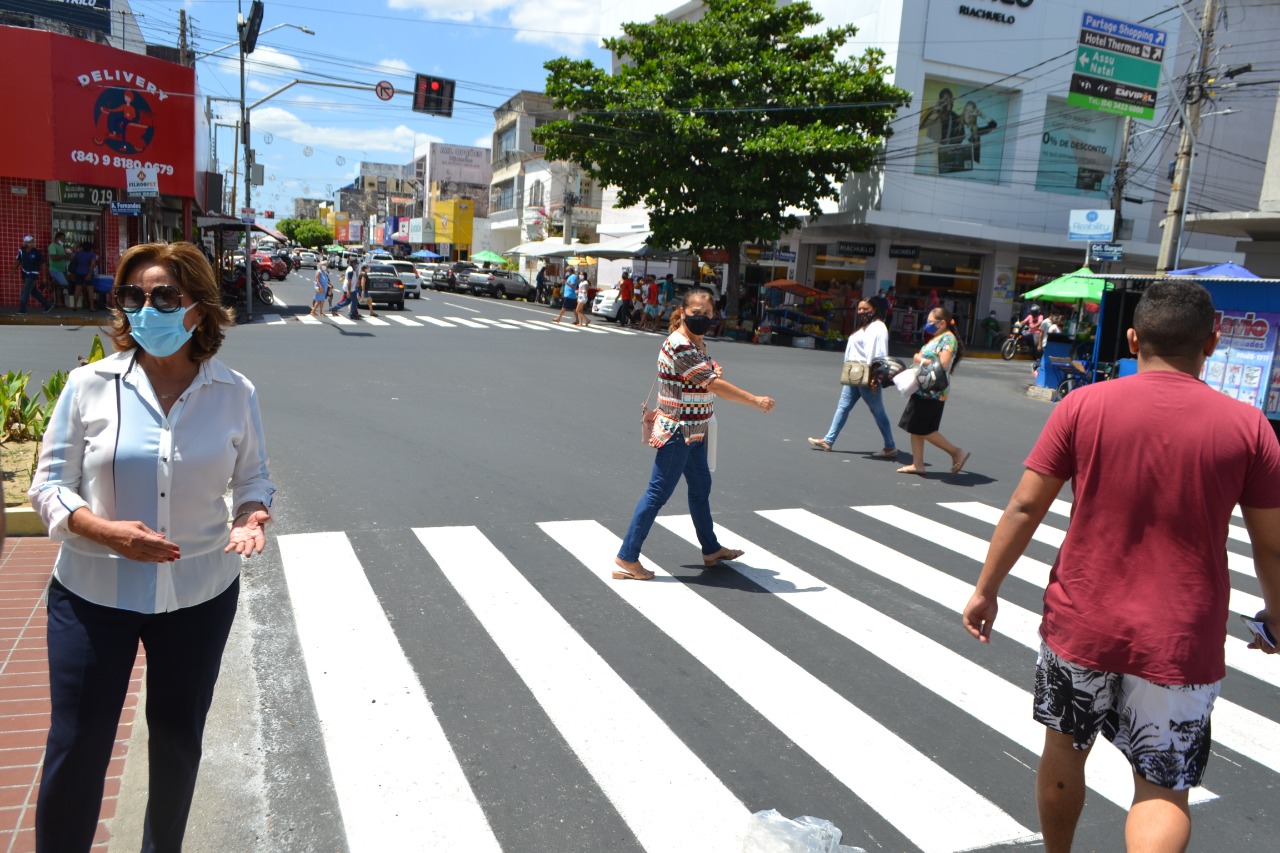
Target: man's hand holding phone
1263,638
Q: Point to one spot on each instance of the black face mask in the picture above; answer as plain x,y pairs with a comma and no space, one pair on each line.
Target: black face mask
697,324
865,319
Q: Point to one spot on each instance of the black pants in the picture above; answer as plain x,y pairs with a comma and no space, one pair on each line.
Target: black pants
91,654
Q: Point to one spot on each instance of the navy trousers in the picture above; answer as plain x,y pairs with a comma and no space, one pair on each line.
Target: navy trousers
91,654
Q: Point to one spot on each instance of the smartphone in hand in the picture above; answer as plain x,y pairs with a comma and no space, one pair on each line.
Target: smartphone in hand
1258,627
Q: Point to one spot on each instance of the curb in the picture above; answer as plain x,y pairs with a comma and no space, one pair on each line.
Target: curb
23,521
53,320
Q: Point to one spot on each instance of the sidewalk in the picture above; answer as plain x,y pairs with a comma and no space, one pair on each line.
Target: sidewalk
25,566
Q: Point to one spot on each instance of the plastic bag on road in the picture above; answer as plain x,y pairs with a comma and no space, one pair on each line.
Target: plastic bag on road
770,832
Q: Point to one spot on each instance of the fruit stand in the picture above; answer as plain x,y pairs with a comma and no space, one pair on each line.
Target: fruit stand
801,318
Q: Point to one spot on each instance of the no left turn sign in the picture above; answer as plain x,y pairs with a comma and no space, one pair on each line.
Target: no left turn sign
385,90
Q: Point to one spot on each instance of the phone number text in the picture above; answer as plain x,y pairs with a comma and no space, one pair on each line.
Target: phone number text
119,162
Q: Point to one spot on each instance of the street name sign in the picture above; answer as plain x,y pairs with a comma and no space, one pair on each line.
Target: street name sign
1117,67
1106,251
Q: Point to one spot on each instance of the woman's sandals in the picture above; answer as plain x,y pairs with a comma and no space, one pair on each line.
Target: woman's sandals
636,572
720,556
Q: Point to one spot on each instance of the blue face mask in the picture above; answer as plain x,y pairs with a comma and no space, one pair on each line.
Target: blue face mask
930,329
158,333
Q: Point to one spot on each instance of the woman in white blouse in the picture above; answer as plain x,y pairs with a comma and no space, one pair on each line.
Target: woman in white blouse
131,480
869,342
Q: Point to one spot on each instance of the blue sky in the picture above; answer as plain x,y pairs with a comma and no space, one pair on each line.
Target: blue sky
492,48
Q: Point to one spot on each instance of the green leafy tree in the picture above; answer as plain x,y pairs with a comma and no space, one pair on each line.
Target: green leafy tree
312,234
289,228
724,126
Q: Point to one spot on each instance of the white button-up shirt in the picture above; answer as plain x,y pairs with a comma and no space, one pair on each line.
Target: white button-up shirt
868,343
109,446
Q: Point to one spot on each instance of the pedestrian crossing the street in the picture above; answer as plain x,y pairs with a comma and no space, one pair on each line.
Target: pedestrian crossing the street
832,647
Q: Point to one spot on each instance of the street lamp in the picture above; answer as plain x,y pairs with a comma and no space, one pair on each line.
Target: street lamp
248,32
232,44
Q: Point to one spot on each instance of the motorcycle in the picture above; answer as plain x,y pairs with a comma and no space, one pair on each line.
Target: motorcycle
233,288
1021,339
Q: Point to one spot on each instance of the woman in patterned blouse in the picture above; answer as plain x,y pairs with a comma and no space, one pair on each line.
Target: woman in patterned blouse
688,383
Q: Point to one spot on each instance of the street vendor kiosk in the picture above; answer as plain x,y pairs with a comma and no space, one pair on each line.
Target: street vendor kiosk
1246,364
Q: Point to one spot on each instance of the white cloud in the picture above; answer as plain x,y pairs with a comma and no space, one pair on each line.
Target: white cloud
264,60
545,23
394,68
258,86
399,140
484,140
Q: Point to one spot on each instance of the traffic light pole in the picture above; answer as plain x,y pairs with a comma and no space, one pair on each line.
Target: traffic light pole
248,182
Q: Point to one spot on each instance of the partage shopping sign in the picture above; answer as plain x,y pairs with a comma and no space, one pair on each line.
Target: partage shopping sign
1117,68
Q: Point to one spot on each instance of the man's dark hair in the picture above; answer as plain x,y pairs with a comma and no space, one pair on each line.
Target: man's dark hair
1173,319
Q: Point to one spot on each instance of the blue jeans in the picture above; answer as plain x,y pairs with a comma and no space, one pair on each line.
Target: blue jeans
29,282
675,458
850,395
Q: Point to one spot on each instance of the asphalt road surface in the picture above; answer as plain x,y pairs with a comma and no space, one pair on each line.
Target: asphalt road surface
431,655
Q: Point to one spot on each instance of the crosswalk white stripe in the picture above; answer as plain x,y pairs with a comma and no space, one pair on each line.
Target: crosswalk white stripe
990,699
405,321
435,322
606,327
1233,725
374,321
883,770
470,324
1235,562
1237,513
544,325
341,320
308,319
663,791
569,327
494,323
398,783
1016,623
525,324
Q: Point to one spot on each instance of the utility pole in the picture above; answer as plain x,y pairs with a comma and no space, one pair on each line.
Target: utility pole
182,36
1175,213
570,199
1122,174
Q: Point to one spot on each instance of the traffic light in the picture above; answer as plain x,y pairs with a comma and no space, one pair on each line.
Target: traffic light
269,214
250,27
433,95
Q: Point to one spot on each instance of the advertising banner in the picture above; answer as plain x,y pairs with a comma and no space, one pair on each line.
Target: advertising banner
142,182
88,113
1077,151
1241,366
90,14
961,130
463,164
341,229
1096,225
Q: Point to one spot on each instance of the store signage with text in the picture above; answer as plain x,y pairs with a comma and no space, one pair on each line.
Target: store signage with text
90,14
1117,67
66,192
143,182
904,251
715,256
1242,365
856,250
1091,225
126,208
995,14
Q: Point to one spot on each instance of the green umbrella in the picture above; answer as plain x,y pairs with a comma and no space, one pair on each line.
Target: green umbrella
1069,288
487,257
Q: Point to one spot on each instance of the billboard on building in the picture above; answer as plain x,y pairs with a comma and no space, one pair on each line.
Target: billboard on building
90,14
92,114
1077,150
341,227
463,164
962,127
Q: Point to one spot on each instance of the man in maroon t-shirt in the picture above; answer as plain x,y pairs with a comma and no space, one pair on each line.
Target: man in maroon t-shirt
1135,611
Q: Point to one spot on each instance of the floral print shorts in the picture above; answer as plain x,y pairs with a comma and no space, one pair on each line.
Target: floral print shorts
1163,730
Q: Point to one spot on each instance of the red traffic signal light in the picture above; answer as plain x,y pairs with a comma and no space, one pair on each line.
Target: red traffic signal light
433,95
269,214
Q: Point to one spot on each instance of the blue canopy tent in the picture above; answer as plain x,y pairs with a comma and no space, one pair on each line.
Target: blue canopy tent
425,255
1227,270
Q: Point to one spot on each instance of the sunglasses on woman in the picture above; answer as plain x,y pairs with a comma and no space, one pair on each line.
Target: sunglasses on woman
165,298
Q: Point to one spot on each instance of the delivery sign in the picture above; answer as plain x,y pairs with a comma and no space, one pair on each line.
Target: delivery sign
119,112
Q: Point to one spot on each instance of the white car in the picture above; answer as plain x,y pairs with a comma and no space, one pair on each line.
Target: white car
308,259
408,274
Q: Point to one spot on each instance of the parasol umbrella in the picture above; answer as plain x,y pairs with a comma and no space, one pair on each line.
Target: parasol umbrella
792,286
426,255
1069,288
487,257
1227,270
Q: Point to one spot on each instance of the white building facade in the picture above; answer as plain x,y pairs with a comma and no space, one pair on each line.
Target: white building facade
977,183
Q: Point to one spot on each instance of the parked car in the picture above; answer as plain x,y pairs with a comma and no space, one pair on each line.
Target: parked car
409,275
308,259
268,266
606,303
385,285
381,257
497,283
453,277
